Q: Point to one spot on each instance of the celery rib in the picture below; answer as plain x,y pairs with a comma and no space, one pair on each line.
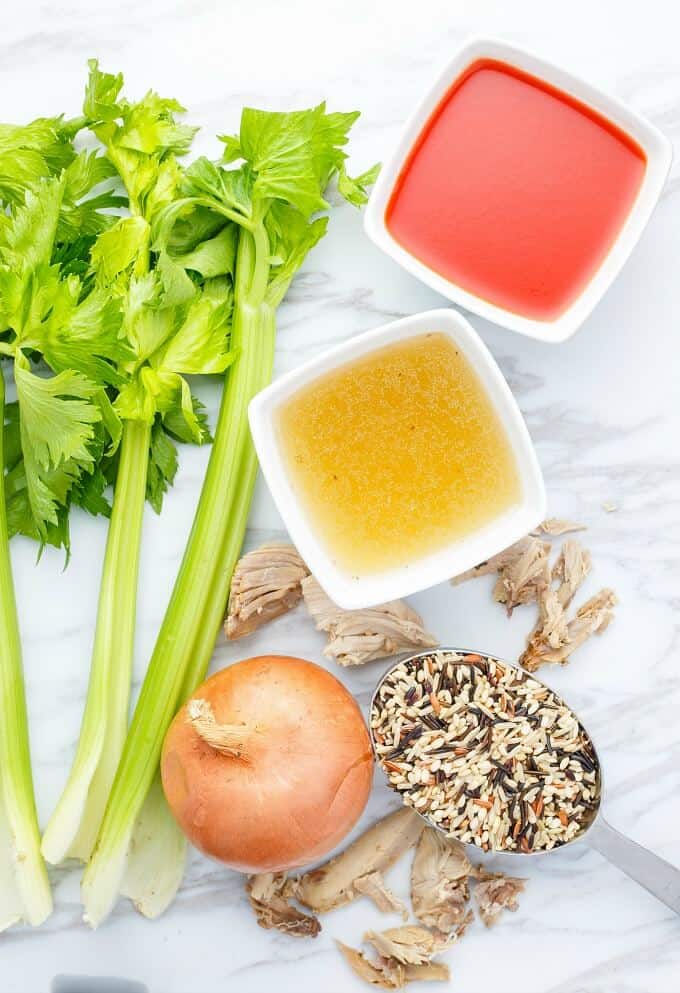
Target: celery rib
24,887
157,854
197,602
73,828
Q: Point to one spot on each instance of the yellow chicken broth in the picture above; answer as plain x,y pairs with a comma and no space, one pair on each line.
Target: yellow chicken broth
397,454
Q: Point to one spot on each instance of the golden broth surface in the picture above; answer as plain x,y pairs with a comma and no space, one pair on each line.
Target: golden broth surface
397,454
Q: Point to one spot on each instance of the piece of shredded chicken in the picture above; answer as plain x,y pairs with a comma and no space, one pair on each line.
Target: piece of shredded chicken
481,874
555,638
552,622
517,564
388,975
269,898
334,884
358,636
521,580
554,527
404,955
410,945
525,576
496,894
439,882
496,563
265,585
373,886
522,571
571,569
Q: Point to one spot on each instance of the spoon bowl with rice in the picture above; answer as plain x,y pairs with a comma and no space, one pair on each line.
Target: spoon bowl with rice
492,757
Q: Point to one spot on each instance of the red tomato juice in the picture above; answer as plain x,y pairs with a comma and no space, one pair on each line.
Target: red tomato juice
515,191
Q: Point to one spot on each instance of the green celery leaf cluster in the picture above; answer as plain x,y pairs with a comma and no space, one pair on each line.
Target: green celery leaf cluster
63,416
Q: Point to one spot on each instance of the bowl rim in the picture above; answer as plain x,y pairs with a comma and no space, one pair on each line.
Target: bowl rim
658,150
351,592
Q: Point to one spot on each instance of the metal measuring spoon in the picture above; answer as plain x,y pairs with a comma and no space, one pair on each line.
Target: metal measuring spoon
657,876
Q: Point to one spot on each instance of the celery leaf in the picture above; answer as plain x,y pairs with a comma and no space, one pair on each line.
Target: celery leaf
84,335
57,421
280,149
101,93
199,344
162,466
293,155
231,187
117,249
176,426
81,212
141,138
355,190
28,240
213,257
291,237
30,153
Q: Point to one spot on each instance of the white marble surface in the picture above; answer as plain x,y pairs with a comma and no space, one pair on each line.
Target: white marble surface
602,409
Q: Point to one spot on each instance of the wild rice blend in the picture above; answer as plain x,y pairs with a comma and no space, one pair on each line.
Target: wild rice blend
485,752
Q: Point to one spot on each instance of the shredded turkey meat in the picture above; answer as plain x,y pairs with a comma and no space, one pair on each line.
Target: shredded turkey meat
358,636
265,585
334,884
388,975
496,563
373,886
556,638
522,569
410,945
404,955
497,894
439,882
571,569
526,576
521,580
440,877
269,897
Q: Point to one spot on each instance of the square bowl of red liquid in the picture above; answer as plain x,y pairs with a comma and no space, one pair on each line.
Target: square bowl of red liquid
518,190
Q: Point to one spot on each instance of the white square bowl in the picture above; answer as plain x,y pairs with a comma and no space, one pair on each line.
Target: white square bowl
349,591
655,145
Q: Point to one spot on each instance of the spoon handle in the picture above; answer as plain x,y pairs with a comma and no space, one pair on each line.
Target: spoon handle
658,877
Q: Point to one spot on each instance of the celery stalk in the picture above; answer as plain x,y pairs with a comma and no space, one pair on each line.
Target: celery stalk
166,328
72,830
271,199
24,887
158,848
197,603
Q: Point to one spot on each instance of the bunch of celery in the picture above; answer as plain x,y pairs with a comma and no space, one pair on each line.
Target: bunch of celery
261,199
54,434
173,324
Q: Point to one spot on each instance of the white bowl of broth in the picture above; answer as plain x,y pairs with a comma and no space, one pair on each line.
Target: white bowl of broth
398,459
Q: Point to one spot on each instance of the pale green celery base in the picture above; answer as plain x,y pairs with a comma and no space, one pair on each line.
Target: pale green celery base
11,907
146,866
73,827
157,856
25,895
199,596
24,887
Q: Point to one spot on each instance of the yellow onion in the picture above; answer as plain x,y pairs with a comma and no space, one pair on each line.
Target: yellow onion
268,765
